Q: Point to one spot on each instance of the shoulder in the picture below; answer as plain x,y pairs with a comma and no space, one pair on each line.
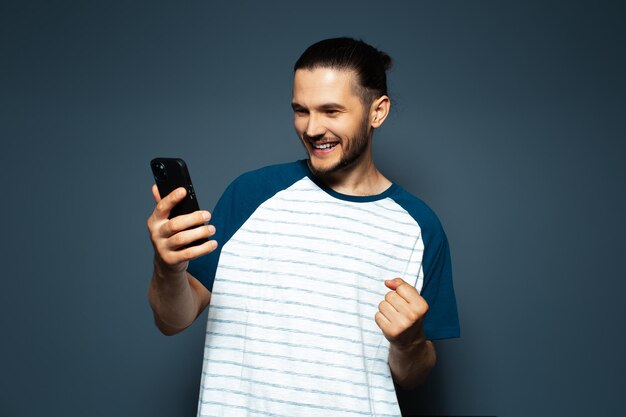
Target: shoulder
421,213
252,188
273,177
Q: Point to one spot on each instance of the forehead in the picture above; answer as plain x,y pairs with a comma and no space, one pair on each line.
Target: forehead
324,85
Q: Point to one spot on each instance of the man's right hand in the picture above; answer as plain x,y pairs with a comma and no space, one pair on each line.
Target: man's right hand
170,237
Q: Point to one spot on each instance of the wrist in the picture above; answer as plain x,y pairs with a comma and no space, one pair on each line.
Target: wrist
167,281
168,273
409,349
410,364
412,341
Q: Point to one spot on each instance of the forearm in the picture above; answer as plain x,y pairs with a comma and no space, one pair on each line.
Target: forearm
174,302
410,365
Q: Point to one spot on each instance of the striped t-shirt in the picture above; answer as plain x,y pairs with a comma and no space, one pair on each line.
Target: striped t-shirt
296,282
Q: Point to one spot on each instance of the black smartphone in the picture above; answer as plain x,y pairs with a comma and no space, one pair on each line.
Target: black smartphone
170,174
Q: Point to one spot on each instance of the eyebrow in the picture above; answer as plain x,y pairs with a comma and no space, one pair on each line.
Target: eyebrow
326,106
329,106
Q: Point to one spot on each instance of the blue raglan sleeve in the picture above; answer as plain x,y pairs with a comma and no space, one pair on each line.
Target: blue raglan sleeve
204,267
441,321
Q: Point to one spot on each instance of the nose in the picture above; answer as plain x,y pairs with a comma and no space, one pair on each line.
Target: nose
314,126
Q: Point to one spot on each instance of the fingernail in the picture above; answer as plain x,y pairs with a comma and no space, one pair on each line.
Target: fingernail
206,215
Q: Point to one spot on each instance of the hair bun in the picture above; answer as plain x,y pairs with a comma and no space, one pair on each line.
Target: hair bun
386,60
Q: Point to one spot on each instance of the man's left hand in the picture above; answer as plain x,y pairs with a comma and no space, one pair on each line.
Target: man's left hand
401,314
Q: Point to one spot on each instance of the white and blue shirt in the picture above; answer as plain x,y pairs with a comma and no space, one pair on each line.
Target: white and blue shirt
296,282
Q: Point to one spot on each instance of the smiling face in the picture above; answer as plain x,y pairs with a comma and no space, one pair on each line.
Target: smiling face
331,119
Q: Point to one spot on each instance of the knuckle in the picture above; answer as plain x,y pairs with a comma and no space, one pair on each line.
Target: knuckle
153,225
178,239
404,288
153,230
378,318
187,254
160,207
174,224
154,238
167,258
394,332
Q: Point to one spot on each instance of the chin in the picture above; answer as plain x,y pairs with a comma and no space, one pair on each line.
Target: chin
318,166
321,168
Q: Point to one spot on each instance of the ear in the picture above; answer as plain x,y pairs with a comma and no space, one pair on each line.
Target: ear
379,111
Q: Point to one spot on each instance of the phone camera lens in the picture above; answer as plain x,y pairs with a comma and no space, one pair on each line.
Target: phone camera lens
160,173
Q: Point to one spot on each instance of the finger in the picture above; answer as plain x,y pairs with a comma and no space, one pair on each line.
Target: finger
415,304
184,222
166,204
388,311
194,252
408,293
382,321
187,254
186,237
398,303
392,284
155,193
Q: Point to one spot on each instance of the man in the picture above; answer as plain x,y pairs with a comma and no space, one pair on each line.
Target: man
326,281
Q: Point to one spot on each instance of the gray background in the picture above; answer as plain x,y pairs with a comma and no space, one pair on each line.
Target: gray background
508,120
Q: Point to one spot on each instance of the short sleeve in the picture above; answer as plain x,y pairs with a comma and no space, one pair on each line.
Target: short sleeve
204,267
441,321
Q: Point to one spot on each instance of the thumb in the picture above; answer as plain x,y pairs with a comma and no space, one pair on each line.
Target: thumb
155,193
392,284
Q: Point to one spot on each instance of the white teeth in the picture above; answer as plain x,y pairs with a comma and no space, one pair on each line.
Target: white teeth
324,146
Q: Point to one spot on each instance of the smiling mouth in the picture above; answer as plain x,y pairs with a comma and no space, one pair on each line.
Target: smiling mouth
323,146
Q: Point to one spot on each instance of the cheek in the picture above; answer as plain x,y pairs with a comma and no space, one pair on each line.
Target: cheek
338,129
300,125
342,131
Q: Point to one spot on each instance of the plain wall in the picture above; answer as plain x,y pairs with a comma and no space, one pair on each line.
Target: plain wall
508,120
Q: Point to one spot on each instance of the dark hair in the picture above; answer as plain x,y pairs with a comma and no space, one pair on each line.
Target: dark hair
368,63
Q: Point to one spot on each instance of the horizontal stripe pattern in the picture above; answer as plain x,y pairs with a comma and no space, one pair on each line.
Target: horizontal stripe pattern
291,328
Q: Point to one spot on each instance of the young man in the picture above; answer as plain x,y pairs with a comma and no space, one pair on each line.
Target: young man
329,281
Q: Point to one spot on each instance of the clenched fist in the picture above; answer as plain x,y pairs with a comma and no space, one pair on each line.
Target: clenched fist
401,314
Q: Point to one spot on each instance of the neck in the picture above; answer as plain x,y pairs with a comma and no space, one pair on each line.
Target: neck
362,178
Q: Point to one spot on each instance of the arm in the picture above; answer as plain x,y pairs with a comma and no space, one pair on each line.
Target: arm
175,296
400,316
176,301
411,365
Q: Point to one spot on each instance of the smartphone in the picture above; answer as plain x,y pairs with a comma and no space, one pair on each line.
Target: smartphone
170,174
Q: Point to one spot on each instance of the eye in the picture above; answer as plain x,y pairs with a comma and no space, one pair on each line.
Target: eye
332,112
300,111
